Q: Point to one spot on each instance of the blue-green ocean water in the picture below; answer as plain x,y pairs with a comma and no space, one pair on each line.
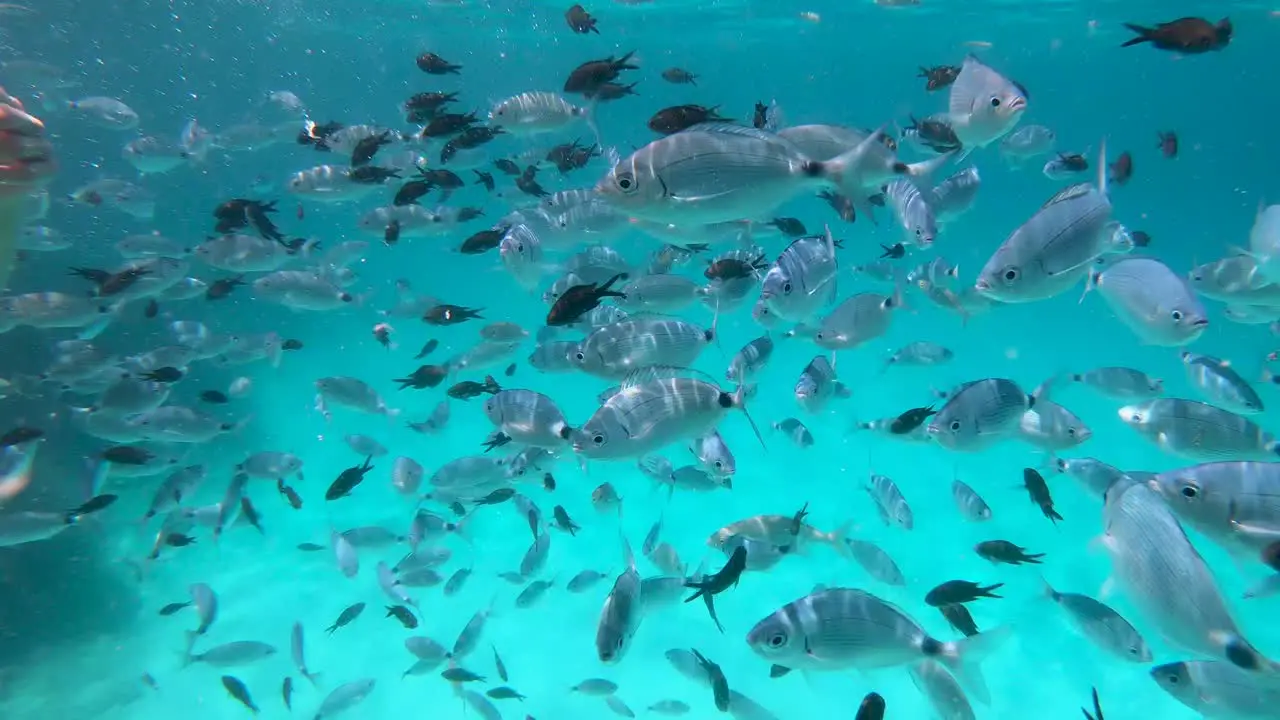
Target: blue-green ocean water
76,648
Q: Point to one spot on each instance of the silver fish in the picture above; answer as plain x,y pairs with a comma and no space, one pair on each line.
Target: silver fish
970,504
1235,504
1165,578
818,384
1104,627
616,350
795,431
1156,303
750,360
1217,689
944,693
983,105
954,196
621,614
1221,384
914,213
1198,431
802,281
979,414
857,319
890,503
1121,383
876,562
527,417
714,454
1050,426
344,697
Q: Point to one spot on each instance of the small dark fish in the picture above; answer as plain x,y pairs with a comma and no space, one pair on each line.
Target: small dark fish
939,77
178,540
715,677
679,76
734,269
1140,238
461,675
222,287
172,608
548,482
590,75
427,349
410,191
496,440
451,314
128,455
797,520
369,146
563,521
121,281
286,692
94,504
485,179
498,665
433,64
346,617
842,204
165,374
789,226
897,252
505,693
483,241
152,309
613,91
371,175
21,434
511,370
238,691
292,345
582,299
1122,169
958,592
310,547
426,376
468,389
671,120
497,497
1188,35
1167,143
507,166
215,397
911,419
1097,708
724,579
458,508
290,495
960,619
872,707
580,21
348,480
1003,551
391,233
1038,490
150,681
760,117
528,184
404,615
251,513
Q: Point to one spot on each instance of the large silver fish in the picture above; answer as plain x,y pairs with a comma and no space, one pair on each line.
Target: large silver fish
983,105
1156,303
980,414
1198,431
1235,504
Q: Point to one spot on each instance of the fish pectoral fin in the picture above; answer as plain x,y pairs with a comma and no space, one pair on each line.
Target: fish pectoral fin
1254,531
696,198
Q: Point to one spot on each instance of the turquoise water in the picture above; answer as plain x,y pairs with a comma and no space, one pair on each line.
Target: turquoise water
81,625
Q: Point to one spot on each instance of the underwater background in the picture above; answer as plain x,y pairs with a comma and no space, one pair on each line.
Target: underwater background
78,620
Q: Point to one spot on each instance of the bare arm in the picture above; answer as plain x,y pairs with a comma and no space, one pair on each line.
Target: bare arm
26,164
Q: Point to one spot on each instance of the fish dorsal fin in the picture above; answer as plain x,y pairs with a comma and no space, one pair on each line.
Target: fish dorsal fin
1068,193
724,128
659,372
974,76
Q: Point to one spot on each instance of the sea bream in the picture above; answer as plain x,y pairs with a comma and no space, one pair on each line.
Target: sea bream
980,413
843,628
528,417
715,172
1156,303
1166,579
653,410
1199,431
984,105
801,282
1221,384
613,351
818,384
1234,503
1056,247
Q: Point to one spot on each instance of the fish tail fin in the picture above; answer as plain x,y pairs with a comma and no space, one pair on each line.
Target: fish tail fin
1144,35
188,657
924,168
964,657
838,536
313,678
1242,654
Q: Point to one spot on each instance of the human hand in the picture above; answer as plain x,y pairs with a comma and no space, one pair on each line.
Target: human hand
26,156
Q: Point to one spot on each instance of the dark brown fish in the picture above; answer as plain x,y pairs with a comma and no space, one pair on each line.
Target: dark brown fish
468,389
369,146
172,608
528,184
152,309
483,241
214,397
841,203
1003,551
511,370
446,124
128,455
291,345
580,21
222,287
372,175
610,91
673,119
347,480
433,64
679,76
960,619
451,314
404,615
391,233
959,592
425,377
1168,143
872,707
291,495
563,521
485,179
178,540
582,299
286,692
1038,490
590,75
250,513
1122,169
1188,35
19,435
734,269
507,166
346,617
497,497
939,76
1140,238
724,579
166,374
789,226
93,505
237,690
409,192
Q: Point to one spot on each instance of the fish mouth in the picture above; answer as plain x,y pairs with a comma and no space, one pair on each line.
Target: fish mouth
982,286
1018,104
1201,323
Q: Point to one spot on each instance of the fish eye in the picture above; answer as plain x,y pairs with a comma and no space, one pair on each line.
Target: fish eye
1137,417
598,439
955,426
580,356
719,465
1071,432
1176,315
1011,274
995,102
1172,678
626,182
1135,651
777,640
1190,492
786,288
